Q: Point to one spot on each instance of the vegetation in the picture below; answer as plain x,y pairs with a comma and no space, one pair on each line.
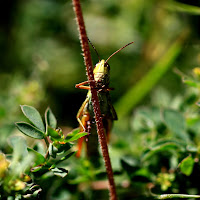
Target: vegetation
154,145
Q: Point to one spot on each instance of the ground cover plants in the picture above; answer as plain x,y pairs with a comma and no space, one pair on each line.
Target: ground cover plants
153,152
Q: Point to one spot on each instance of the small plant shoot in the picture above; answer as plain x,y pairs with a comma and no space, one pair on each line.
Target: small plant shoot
58,146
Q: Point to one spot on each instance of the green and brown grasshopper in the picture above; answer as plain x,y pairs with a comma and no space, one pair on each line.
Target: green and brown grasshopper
85,115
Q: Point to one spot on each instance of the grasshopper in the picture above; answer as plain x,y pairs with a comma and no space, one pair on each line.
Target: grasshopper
85,115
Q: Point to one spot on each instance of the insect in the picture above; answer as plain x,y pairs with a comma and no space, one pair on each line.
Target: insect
85,115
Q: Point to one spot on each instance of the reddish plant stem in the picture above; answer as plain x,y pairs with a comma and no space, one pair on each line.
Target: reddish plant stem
95,101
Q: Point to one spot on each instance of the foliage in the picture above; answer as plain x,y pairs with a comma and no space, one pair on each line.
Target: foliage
26,162
168,138
154,145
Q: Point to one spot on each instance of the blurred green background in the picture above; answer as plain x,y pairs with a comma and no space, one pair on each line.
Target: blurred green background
41,61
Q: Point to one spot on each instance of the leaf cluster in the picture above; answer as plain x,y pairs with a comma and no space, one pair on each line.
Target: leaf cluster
27,164
167,151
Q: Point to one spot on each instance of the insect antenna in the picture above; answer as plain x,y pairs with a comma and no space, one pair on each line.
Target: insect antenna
94,49
118,51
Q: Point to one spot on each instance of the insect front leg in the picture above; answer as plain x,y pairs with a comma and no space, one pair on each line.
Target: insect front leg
82,85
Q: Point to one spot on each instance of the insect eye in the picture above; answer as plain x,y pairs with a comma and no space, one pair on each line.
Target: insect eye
107,65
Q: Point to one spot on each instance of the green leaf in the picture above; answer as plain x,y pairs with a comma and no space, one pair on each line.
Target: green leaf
34,116
64,158
63,147
75,135
29,130
67,156
186,166
55,134
179,143
74,132
39,158
50,118
60,172
164,145
21,160
183,7
190,82
175,121
40,169
19,147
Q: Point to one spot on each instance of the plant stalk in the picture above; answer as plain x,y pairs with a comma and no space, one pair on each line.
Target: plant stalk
47,143
100,129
